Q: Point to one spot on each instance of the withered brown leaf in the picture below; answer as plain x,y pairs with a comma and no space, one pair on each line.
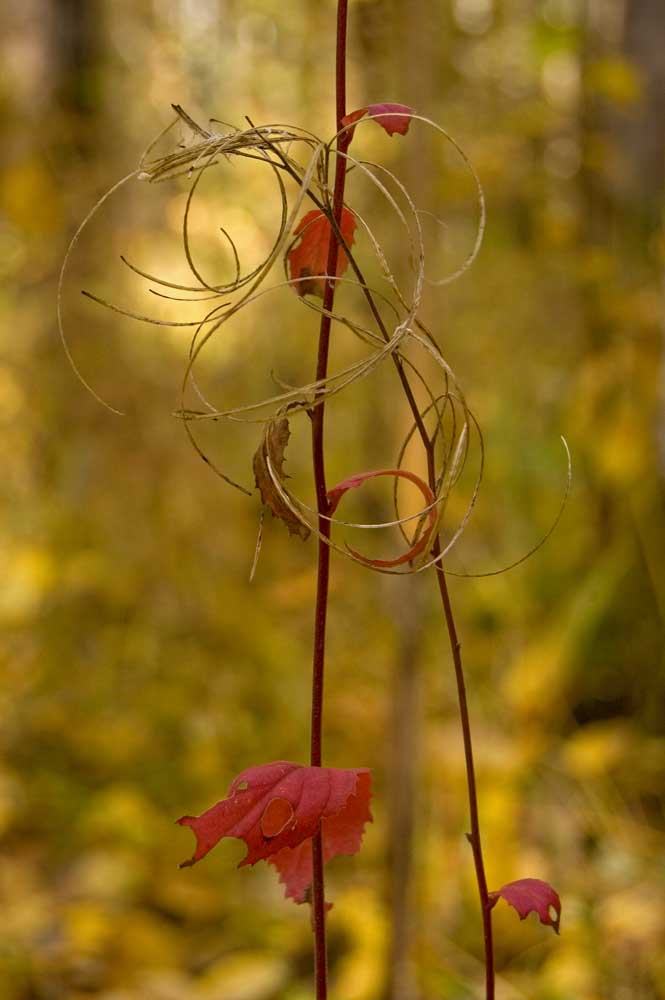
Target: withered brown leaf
273,447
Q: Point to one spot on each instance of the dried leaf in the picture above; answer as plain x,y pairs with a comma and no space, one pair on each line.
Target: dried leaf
391,117
308,259
531,895
337,492
273,446
277,808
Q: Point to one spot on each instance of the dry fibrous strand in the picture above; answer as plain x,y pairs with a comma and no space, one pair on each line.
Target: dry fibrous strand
281,148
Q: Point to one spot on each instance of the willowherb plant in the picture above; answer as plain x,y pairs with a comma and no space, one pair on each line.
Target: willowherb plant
298,817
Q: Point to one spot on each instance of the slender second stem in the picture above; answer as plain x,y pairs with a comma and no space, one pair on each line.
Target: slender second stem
474,836
323,574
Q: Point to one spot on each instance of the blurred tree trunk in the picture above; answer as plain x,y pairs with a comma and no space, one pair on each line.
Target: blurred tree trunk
644,132
622,185
644,142
397,57
597,209
643,198
76,59
404,767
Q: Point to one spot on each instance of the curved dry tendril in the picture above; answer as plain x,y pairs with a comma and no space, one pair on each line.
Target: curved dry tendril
303,396
61,283
337,381
544,538
274,145
454,458
482,213
421,538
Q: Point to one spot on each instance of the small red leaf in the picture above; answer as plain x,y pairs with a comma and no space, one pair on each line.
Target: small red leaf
308,259
391,117
277,808
531,895
350,119
337,492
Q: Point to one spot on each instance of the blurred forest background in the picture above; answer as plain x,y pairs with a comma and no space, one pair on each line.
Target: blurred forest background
141,671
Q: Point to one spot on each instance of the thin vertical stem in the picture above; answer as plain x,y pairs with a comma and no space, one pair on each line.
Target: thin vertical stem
474,836
323,573
455,646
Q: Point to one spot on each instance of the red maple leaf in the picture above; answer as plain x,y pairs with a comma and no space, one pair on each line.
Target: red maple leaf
391,117
277,808
337,492
531,895
308,258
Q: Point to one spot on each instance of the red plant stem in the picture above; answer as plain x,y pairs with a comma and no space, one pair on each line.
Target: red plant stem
455,645
323,573
474,836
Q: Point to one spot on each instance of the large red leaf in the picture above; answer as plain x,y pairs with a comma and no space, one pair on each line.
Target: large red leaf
531,895
308,258
337,492
391,117
277,808
342,834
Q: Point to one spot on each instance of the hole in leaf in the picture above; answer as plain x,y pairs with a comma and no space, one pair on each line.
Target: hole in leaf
277,815
242,786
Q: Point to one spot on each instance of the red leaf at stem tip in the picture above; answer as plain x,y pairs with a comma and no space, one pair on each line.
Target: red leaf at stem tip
531,895
277,808
391,117
308,259
337,492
